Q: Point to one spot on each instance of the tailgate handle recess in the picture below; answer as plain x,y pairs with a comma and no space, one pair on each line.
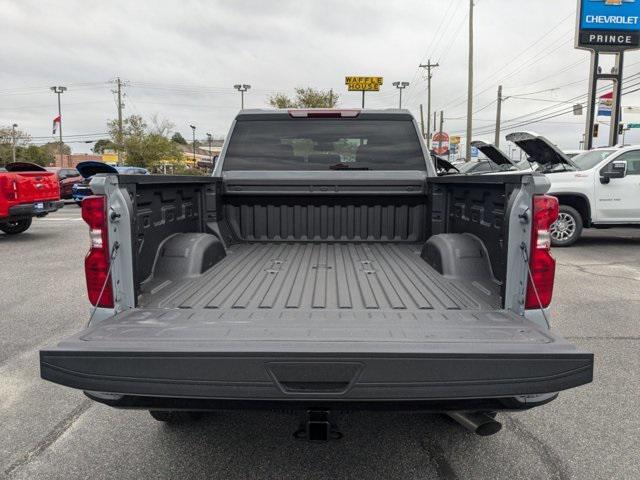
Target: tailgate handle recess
314,377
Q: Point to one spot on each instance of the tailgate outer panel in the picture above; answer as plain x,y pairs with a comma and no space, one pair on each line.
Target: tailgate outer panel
123,355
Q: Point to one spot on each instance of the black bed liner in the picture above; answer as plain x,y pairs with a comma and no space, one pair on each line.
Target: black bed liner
319,275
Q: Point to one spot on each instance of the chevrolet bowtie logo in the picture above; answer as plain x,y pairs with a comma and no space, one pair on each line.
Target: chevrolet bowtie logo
614,2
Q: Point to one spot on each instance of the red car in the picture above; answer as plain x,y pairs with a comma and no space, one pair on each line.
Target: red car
26,191
67,177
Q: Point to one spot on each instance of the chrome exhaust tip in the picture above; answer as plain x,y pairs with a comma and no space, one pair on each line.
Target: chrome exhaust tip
476,422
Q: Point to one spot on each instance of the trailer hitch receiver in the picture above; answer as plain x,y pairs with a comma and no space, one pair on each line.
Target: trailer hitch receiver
318,427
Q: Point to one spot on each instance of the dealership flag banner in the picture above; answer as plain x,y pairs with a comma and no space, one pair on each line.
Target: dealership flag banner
56,124
605,104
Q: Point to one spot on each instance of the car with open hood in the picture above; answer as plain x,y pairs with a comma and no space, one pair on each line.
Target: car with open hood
496,161
599,188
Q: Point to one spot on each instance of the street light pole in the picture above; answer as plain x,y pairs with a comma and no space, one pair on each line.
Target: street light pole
210,138
193,131
13,142
59,90
242,88
400,86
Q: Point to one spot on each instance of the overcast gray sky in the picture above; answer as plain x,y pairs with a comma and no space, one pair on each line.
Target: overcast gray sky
181,59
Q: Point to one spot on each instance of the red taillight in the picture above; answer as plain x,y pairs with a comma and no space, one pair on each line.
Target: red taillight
541,263
9,187
97,261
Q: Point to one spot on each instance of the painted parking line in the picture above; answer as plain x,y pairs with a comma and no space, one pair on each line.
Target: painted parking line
60,219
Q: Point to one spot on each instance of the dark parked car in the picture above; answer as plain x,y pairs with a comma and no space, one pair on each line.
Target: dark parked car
89,169
67,177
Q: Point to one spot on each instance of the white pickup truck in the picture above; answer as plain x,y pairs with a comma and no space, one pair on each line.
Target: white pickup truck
596,189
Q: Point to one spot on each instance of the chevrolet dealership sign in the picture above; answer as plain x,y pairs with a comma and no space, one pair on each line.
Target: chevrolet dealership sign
608,25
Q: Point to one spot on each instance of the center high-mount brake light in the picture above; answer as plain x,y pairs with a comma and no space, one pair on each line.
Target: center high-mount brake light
541,263
324,113
97,261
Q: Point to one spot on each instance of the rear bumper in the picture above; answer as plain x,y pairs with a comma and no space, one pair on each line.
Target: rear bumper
35,209
435,406
291,378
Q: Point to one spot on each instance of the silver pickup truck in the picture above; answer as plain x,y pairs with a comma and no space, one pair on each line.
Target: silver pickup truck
324,266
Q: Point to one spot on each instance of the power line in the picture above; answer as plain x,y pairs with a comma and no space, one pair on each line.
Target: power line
520,56
535,60
552,114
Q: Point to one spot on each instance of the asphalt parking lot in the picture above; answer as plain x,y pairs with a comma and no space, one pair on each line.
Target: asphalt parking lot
52,432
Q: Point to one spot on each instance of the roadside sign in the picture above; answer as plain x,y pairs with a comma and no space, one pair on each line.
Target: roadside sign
454,140
608,25
633,125
363,84
440,142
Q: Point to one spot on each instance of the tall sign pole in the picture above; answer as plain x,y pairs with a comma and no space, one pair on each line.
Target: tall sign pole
616,107
363,84
591,101
611,27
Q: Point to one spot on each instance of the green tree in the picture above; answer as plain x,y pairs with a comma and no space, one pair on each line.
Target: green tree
305,98
53,149
6,143
145,147
103,144
281,100
150,150
178,138
35,154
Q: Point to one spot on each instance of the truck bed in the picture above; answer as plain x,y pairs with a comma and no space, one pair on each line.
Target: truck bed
314,322
373,277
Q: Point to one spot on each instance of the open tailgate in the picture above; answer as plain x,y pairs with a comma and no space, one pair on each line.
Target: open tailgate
317,355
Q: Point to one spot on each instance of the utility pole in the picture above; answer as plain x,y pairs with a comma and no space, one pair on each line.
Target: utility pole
59,91
120,107
13,142
498,113
428,67
242,88
400,86
422,123
470,87
441,120
193,131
